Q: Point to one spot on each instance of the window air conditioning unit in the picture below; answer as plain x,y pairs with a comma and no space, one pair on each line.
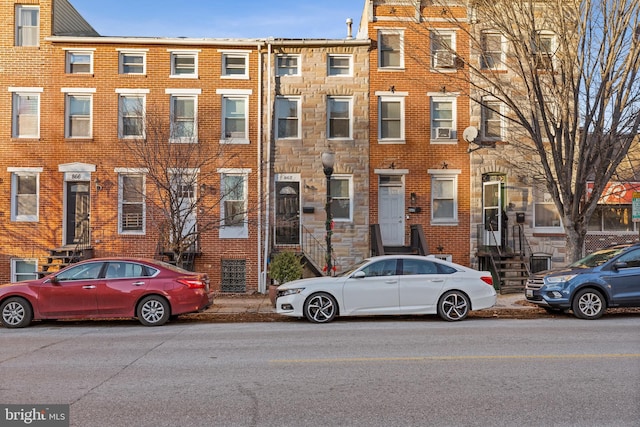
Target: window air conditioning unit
443,133
444,60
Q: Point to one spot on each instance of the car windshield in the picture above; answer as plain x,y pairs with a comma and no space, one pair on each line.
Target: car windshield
597,258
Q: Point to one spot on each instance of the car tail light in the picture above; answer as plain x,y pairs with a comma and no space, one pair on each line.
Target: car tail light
487,279
192,283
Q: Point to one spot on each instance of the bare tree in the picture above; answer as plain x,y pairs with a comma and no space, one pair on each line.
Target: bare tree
184,193
566,72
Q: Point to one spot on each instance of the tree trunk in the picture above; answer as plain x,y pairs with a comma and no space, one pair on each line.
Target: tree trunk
575,242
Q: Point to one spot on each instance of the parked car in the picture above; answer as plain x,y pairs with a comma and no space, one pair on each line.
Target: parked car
390,284
606,278
99,288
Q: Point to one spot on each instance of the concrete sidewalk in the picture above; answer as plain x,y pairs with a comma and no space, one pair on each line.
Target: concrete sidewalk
260,304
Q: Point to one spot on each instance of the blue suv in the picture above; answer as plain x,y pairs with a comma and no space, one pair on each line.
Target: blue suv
606,278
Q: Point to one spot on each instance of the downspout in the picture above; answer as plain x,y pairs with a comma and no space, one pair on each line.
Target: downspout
262,274
267,162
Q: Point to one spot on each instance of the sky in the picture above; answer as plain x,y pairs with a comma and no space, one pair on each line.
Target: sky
222,18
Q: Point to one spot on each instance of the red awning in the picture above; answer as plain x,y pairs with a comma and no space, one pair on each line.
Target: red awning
616,193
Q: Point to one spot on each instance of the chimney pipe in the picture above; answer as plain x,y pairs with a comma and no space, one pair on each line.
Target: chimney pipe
349,24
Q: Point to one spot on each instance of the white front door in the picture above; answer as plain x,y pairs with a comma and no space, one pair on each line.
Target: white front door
391,210
492,212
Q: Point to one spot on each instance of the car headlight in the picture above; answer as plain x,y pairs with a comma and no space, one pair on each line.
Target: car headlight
559,279
292,291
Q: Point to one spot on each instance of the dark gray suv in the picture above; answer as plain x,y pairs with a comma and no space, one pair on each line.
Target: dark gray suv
606,278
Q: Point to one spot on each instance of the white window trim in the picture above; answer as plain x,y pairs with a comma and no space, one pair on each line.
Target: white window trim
349,100
392,97
448,175
21,91
386,31
80,92
83,51
18,11
234,54
14,273
141,52
17,171
298,101
142,173
133,93
286,55
453,98
538,199
554,47
434,66
503,50
500,113
184,140
234,232
339,55
351,197
237,94
174,53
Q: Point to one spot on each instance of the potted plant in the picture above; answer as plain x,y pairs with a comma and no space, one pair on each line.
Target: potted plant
284,267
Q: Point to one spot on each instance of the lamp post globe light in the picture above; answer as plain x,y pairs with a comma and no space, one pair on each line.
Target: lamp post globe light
328,160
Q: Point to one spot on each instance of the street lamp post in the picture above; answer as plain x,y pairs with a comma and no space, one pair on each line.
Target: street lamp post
328,160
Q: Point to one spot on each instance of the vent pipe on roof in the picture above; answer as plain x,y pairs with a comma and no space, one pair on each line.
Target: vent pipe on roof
349,24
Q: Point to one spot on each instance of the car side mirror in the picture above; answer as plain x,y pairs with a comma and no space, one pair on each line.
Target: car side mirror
358,275
618,265
54,280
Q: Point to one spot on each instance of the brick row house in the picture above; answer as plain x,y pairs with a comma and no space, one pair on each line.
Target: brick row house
73,113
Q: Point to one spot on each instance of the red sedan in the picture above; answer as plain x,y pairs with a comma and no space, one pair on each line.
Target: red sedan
102,288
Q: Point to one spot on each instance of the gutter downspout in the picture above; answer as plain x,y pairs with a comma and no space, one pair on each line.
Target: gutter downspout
267,163
262,274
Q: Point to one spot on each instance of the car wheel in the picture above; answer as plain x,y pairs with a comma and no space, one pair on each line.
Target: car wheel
320,308
453,306
588,304
16,313
153,310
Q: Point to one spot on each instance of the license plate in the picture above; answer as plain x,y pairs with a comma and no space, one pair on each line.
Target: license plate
529,293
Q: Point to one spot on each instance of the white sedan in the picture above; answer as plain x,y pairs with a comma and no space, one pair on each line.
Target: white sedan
390,284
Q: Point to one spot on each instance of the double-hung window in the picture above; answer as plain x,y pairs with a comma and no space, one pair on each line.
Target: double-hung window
288,117
27,31
492,120
235,65
79,61
341,192
78,112
492,56
131,115
25,190
23,269
339,117
184,64
391,117
235,116
544,46
443,46
545,215
132,61
183,118
26,112
444,196
390,49
339,65
234,206
131,197
288,65
443,120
